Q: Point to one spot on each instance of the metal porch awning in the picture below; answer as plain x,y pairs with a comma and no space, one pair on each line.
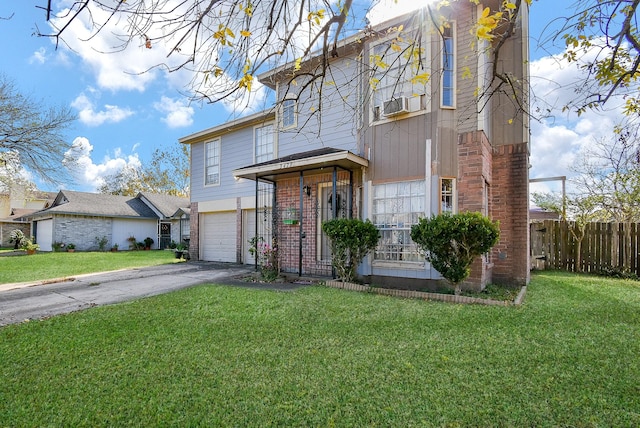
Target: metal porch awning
292,165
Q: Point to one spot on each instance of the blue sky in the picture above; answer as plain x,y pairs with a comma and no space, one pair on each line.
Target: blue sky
123,117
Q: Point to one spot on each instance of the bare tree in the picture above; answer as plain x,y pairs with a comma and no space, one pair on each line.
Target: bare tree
609,173
607,181
31,137
167,172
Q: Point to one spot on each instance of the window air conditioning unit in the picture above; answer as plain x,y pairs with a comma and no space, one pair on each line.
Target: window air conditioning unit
395,106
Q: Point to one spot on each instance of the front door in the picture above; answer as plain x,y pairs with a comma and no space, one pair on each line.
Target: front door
325,202
165,235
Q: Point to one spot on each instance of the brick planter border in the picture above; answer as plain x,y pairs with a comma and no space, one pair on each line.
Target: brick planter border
411,294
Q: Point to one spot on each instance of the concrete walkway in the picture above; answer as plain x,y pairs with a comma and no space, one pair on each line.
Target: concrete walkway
43,299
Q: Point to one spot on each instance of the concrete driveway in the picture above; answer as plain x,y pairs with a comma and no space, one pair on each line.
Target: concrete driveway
20,302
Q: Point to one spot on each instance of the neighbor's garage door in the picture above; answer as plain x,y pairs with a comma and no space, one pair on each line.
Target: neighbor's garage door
44,235
218,237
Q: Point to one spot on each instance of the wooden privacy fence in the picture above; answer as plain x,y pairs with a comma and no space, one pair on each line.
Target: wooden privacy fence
604,246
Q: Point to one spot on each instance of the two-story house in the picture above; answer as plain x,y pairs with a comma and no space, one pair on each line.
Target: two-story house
391,129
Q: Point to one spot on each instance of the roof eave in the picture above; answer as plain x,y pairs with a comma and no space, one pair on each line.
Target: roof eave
218,130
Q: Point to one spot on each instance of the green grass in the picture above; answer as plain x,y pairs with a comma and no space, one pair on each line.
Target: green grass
224,356
41,266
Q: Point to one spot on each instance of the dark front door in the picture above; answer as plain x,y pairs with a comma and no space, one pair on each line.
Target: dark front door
165,235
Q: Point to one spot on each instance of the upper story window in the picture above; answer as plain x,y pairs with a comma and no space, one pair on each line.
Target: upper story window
212,162
263,143
448,81
288,116
399,73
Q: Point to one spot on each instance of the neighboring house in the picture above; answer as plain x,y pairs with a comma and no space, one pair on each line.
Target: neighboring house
17,203
80,218
408,149
539,214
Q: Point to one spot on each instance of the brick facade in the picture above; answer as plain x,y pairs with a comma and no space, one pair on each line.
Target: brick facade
7,227
475,160
288,203
510,202
494,181
194,232
82,230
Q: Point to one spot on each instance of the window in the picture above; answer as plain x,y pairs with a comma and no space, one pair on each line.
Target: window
448,68
397,207
448,195
212,162
264,147
398,70
288,118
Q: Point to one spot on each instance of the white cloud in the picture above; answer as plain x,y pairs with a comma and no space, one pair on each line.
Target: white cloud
39,56
89,116
91,174
557,139
115,65
177,112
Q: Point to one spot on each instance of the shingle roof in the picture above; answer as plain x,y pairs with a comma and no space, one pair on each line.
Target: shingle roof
166,204
101,205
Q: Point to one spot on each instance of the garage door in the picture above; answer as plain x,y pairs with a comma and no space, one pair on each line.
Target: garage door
44,234
218,236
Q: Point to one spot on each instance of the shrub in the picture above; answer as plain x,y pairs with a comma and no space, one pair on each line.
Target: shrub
148,242
101,243
132,243
268,259
28,245
16,237
351,240
451,242
57,246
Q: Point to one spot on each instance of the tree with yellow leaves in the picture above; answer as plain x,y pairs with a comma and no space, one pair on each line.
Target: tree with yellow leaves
226,44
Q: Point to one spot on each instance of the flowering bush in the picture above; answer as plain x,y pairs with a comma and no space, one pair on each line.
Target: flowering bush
268,262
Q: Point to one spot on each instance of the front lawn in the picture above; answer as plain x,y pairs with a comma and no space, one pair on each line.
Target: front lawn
225,356
42,266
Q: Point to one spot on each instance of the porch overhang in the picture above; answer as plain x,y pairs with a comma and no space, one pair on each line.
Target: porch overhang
315,160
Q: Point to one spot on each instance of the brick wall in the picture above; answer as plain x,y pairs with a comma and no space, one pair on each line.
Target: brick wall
7,227
288,197
510,205
82,231
194,242
475,175
505,171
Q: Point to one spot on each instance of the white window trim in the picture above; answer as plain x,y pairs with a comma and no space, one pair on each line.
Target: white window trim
206,158
397,264
454,194
454,37
275,140
288,97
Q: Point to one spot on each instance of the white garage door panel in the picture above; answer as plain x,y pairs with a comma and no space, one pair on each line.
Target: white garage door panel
44,235
218,239
248,232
